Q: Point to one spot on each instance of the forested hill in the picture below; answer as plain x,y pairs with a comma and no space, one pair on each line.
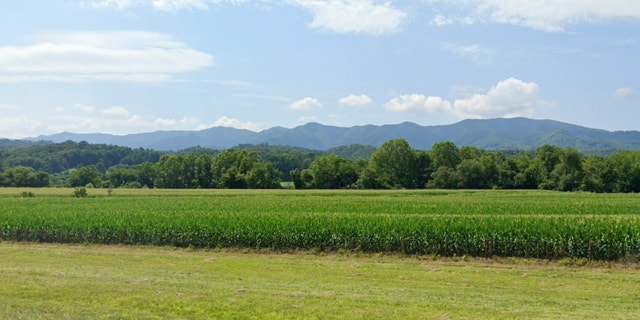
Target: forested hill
58,157
490,134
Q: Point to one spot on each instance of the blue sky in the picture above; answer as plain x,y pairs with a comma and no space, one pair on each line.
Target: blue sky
127,66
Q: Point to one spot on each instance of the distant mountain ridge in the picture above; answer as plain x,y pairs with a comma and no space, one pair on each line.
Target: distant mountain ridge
489,134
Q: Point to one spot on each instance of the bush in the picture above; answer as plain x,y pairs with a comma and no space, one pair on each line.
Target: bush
28,194
80,192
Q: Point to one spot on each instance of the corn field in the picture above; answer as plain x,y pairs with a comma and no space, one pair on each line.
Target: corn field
531,224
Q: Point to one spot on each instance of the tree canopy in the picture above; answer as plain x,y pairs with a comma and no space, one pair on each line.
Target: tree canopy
393,165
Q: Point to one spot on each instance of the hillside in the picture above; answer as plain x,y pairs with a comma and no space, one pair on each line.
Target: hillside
490,134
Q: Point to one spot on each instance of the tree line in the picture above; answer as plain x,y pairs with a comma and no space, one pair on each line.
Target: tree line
393,165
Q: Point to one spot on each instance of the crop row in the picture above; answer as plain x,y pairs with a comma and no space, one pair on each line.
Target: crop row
198,222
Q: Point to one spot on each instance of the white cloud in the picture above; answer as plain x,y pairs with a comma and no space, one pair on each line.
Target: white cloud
417,103
509,98
161,5
83,107
306,119
266,97
116,111
624,93
305,104
354,16
186,123
237,84
546,15
355,100
132,56
81,118
476,52
225,121
18,127
6,107
160,122
341,16
441,20
136,77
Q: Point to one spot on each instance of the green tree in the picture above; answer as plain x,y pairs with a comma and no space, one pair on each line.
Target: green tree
22,176
599,175
263,175
203,175
568,172
332,172
393,166
120,176
89,175
146,174
528,172
238,169
627,170
445,154
443,178
547,158
168,172
424,168
471,174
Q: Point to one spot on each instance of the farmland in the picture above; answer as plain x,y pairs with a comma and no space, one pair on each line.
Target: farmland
51,281
288,254
528,224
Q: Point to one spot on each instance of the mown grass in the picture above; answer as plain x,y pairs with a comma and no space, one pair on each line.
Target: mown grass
130,282
477,223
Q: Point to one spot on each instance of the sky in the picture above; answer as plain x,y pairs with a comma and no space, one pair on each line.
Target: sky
130,66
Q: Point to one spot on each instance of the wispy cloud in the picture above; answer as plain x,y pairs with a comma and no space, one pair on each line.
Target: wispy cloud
266,97
478,53
130,56
624,93
546,15
19,126
84,108
225,121
163,5
116,111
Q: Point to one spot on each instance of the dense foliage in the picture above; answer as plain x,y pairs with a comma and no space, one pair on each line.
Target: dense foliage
394,165
58,157
533,224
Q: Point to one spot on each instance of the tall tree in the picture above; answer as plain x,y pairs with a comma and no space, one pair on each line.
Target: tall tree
203,175
22,176
89,175
445,154
331,172
393,165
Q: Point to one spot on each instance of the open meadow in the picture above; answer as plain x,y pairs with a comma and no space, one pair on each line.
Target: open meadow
50,281
318,254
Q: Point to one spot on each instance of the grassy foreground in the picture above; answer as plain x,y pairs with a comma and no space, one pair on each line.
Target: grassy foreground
47,281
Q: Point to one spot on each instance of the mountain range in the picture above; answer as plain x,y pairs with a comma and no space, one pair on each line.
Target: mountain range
489,134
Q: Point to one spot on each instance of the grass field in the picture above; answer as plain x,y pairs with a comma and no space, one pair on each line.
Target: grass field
44,281
532,224
289,254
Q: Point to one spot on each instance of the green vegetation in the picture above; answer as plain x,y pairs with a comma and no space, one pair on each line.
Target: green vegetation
394,165
474,223
112,282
